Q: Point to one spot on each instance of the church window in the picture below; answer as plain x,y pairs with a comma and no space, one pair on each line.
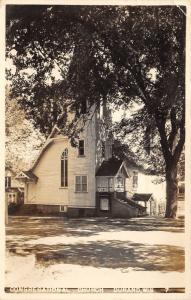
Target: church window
103,149
81,183
81,148
64,168
135,179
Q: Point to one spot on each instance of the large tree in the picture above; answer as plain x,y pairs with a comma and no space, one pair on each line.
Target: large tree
23,141
122,55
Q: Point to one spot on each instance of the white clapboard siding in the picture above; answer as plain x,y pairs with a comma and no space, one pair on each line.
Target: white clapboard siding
47,190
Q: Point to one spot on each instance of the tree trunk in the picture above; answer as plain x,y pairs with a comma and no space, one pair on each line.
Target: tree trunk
171,192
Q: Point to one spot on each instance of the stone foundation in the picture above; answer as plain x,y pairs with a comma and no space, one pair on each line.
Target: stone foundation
39,210
54,210
74,212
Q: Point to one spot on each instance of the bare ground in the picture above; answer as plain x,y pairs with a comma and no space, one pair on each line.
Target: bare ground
141,244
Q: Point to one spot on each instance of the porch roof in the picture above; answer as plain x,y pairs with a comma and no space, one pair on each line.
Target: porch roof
141,197
109,167
27,175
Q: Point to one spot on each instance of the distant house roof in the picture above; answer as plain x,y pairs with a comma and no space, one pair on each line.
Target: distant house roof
27,175
141,197
110,167
9,169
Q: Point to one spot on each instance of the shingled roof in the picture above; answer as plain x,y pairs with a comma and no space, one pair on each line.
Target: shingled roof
109,167
30,175
27,174
141,197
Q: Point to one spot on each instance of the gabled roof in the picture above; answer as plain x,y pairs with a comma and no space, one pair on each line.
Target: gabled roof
27,175
110,167
49,141
141,197
44,148
54,131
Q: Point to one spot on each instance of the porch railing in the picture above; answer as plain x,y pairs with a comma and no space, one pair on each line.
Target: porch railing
110,189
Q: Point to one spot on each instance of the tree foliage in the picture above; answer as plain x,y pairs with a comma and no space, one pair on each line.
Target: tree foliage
23,141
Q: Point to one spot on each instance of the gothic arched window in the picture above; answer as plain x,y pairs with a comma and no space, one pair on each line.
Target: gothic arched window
64,168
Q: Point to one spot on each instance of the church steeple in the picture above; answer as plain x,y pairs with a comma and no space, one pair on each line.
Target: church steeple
109,137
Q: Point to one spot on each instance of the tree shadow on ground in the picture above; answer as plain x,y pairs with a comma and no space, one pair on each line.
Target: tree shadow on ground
108,253
33,228
111,254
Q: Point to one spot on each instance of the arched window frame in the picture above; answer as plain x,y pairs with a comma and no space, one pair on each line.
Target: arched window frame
64,168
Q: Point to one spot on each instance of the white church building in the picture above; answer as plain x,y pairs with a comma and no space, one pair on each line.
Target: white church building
84,180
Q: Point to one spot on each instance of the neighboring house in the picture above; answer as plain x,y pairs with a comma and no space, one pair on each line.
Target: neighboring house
181,199
149,185
14,189
158,190
181,186
82,181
